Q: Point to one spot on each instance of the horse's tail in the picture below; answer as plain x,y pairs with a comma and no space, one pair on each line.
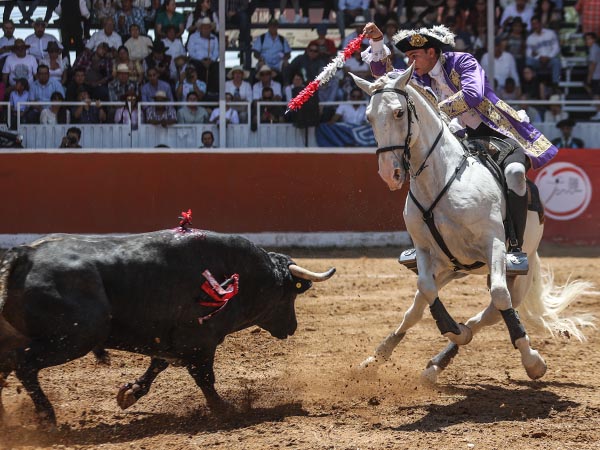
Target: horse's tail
545,302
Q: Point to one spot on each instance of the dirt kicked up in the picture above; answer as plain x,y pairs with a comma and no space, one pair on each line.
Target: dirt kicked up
302,393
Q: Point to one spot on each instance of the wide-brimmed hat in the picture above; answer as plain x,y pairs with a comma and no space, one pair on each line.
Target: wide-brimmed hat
122,68
205,21
160,94
52,47
20,44
263,69
565,123
359,21
158,46
554,98
438,37
245,73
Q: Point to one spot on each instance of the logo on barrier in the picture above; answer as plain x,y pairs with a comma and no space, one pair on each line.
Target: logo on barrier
565,190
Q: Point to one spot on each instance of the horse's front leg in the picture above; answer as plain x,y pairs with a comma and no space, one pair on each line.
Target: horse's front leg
534,364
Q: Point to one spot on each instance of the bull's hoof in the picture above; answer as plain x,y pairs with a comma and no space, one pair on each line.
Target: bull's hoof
463,338
127,395
47,421
534,364
221,407
430,375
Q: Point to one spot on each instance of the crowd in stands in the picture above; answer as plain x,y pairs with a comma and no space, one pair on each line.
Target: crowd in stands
154,51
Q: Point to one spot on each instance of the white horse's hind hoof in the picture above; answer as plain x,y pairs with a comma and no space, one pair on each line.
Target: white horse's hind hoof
430,374
463,338
370,363
534,364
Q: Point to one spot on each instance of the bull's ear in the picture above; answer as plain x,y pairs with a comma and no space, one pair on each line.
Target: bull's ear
365,85
301,285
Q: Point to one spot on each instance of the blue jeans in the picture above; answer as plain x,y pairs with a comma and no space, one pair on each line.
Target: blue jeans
553,66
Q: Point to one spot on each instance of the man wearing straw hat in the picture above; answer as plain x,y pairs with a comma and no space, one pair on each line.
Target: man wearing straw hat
465,95
203,49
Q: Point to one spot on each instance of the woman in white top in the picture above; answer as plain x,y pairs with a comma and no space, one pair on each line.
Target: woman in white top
240,90
56,113
201,10
56,63
231,115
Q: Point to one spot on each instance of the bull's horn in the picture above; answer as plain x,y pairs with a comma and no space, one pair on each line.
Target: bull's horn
305,274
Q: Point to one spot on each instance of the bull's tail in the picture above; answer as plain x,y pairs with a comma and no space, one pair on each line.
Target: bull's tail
545,303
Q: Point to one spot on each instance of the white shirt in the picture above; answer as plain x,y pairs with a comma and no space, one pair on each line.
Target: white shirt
350,114
245,90
16,67
6,42
138,48
230,114
525,15
114,40
174,48
504,67
543,44
39,44
258,87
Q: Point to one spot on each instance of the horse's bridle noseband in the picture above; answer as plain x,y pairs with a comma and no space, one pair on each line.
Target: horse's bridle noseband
406,147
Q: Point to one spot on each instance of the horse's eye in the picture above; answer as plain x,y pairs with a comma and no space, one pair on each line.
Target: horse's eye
398,112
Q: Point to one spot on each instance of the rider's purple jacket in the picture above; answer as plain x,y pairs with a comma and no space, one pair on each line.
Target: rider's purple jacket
471,89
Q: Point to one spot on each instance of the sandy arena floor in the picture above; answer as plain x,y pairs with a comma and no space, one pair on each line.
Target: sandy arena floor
299,393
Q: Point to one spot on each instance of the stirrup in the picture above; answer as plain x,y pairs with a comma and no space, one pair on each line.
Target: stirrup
408,258
516,263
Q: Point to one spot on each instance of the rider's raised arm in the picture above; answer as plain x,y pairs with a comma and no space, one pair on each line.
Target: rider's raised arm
377,54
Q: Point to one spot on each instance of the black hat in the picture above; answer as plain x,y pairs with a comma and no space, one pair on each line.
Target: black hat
158,46
565,123
438,37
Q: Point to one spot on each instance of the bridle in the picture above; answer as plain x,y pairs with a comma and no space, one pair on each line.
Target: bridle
405,161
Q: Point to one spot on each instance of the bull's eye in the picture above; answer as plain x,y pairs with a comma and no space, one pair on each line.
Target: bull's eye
398,112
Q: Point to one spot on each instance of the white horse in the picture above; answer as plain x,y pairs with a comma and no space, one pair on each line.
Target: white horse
468,207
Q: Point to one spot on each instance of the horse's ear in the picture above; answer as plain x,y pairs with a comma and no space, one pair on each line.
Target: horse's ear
365,85
405,77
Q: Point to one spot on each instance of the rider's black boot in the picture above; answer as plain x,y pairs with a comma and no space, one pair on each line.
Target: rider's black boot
516,260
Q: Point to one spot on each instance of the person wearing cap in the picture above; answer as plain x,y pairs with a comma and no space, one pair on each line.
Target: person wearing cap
203,49
159,113
505,65
57,64
566,139
125,16
358,24
169,16
159,60
348,11
466,97
136,71
107,35
139,46
19,64
121,84
39,39
271,48
265,79
173,44
326,46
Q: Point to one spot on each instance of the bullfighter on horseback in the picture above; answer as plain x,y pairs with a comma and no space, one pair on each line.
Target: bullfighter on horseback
466,97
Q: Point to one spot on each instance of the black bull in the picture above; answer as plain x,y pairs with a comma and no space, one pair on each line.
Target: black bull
66,295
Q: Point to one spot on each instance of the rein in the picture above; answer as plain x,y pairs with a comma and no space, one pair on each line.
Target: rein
428,217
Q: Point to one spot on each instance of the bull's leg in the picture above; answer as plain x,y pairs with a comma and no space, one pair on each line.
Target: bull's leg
132,392
203,374
28,376
102,356
3,377
534,364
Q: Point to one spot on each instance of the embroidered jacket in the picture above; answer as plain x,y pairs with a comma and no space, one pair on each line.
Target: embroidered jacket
467,80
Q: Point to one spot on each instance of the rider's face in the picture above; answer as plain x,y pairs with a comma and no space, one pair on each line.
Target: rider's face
424,60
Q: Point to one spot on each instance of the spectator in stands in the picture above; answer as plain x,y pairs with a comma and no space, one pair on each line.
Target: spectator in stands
88,113
267,113
231,115
136,71
128,113
57,64
238,14
543,50
72,13
149,8
463,39
139,46
192,113
549,15
106,35
358,24
202,9
177,67
391,28
520,8
76,84
589,15
298,18
455,9
7,41
189,82
349,11
159,113
208,139
555,113
272,49
309,64
159,60
41,90
155,85
203,49
566,138
504,64
295,87
325,45
99,70
71,140
353,114
121,84
510,91
169,16
358,67
531,111
127,15
19,94
592,80
532,85
18,65
56,113
240,89
265,76
104,9
383,13
38,41
515,42
173,44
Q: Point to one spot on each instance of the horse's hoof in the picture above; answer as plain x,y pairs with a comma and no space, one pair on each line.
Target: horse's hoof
369,365
465,336
430,374
126,395
534,364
